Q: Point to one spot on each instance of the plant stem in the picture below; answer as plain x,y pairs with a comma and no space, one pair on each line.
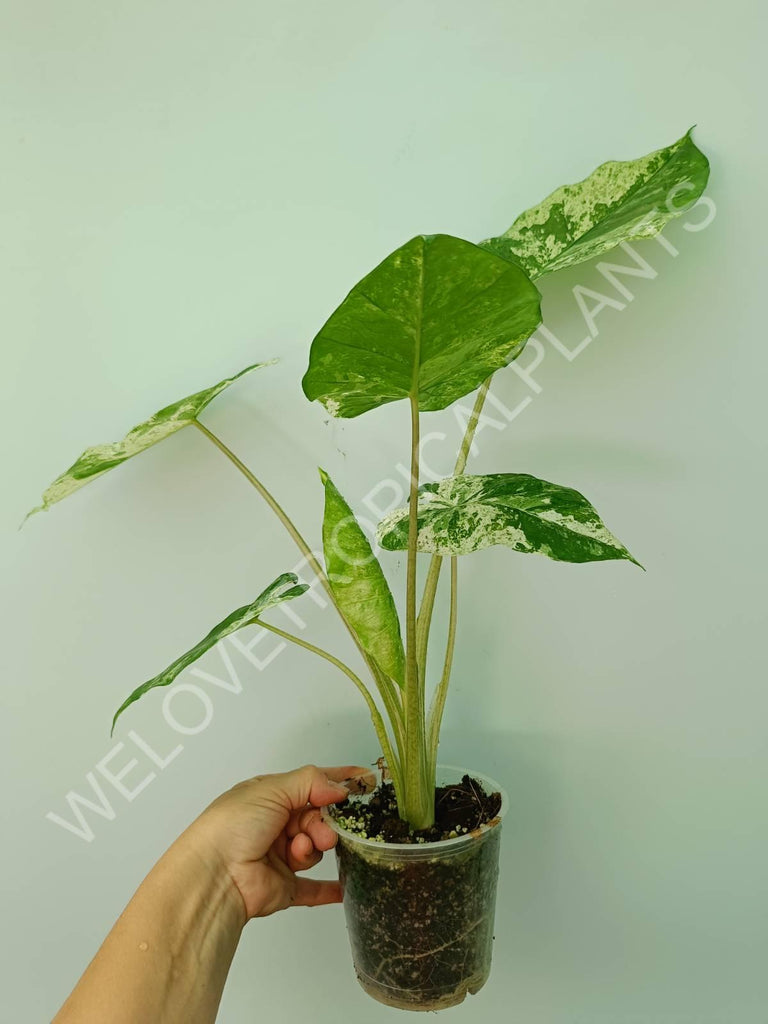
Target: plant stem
429,593
469,433
413,536
390,695
393,762
424,620
435,563
418,809
389,692
438,701
299,541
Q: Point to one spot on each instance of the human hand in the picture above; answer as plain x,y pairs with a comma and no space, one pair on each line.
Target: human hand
262,831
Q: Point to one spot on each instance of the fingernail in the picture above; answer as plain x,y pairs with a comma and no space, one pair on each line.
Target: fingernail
358,784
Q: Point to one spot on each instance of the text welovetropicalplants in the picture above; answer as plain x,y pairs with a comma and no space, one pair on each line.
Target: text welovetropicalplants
430,324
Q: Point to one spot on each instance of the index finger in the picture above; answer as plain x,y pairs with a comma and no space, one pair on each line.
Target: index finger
354,778
313,785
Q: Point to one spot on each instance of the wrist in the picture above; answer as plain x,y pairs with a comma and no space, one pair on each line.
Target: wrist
197,864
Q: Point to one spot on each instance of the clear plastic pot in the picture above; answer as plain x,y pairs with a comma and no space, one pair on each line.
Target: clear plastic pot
420,916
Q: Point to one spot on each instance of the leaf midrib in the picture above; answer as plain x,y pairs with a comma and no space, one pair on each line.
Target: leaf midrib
416,365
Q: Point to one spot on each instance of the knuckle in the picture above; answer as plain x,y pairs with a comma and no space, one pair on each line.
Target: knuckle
311,773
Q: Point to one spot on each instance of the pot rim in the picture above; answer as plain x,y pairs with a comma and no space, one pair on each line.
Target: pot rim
490,785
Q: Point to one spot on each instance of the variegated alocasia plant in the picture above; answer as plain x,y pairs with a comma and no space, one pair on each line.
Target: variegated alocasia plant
430,324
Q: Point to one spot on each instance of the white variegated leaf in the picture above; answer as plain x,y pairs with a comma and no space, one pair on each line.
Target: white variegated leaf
284,588
99,459
463,514
619,201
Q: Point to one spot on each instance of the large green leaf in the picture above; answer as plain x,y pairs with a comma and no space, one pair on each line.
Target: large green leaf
359,585
433,320
97,460
284,588
463,514
619,201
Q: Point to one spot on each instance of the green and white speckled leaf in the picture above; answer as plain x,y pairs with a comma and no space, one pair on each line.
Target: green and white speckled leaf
433,320
103,457
619,201
463,514
284,588
359,585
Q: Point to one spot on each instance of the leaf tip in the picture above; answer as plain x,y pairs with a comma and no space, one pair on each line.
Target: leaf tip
629,557
324,478
32,512
256,366
283,579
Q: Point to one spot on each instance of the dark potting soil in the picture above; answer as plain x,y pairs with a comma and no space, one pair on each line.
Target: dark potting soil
421,928
460,808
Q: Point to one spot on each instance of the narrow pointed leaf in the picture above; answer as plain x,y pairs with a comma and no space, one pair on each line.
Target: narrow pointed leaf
619,201
463,514
97,460
433,320
284,588
359,585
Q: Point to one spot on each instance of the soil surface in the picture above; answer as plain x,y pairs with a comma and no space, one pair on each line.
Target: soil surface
459,809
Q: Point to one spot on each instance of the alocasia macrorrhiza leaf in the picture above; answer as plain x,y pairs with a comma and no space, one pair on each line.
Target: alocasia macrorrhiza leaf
619,201
284,588
463,514
433,320
97,460
359,586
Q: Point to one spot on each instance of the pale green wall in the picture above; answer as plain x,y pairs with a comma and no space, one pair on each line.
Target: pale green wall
189,187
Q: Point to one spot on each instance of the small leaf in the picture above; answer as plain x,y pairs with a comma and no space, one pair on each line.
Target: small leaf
284,588
463,514
97,460
619,201
359,585
433,320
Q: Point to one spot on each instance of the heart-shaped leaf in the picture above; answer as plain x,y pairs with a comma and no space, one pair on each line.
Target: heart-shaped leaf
619,201
284,588
433,320
359,585
463,514
97,460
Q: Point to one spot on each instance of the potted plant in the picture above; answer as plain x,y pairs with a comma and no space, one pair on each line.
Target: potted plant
418,857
